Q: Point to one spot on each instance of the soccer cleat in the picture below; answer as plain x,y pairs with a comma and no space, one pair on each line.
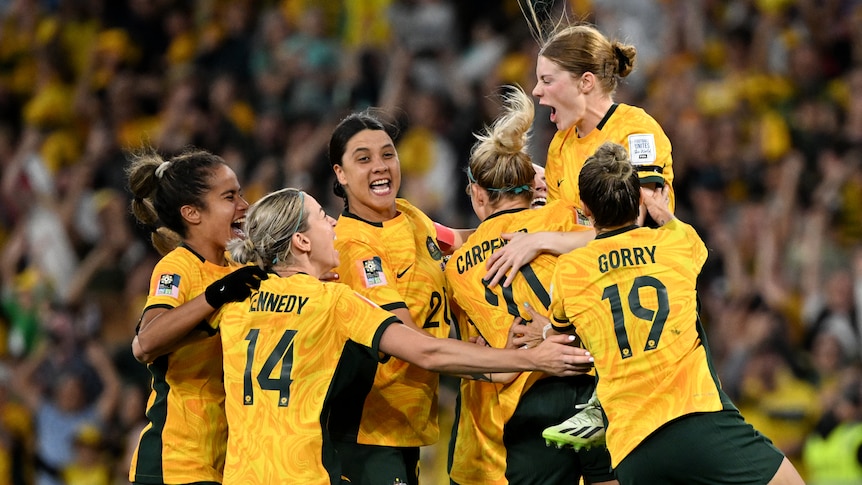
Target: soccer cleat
584,430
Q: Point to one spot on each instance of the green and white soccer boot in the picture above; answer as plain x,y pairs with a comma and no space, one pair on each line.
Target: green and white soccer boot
584,430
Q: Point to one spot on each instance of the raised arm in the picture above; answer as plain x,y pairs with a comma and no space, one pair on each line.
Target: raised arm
110,395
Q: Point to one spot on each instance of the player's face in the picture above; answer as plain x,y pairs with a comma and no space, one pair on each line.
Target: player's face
371,175
225,210
321,232
559,90
540,187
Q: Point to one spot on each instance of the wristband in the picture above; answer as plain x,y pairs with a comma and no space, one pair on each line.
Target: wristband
545,330
445,236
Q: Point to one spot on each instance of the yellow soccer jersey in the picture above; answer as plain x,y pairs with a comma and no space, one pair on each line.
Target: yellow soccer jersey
185,439
290,350
630,295
397,264
627,125
480,455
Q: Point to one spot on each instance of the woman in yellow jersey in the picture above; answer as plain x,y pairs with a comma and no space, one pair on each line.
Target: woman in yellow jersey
298,347
499,433
630,295
194,205
578,70
389,254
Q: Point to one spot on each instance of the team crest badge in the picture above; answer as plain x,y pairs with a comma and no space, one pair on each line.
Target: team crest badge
169,285
371,271
433,249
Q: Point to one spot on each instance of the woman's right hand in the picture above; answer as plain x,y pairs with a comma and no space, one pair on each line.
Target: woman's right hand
557,356
657,203
520,249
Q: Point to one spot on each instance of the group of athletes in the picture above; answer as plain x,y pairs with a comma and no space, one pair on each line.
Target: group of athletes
288,347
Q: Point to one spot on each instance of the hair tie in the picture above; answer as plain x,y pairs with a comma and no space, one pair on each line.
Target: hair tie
515,190
160,170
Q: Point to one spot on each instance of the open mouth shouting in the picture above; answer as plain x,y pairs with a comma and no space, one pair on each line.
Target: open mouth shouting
236,227
381,187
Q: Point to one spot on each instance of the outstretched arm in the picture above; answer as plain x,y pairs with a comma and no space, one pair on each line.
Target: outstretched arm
523,248
452,356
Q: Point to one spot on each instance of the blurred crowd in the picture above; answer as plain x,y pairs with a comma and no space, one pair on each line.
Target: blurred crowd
760,99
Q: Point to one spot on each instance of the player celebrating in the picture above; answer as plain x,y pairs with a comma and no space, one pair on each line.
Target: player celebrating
193,200
578,70
299,346
389,254
498,437
630,295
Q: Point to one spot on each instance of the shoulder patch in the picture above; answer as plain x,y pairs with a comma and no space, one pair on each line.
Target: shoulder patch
433,250
371,272
169,285
642,149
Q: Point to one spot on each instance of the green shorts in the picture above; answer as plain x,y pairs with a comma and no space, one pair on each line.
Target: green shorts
702,448
375,465
528,461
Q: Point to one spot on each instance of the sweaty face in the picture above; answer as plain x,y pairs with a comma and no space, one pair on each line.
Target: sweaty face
558,89
225,210
371,175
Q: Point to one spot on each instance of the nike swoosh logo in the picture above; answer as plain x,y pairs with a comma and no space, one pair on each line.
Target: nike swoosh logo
559,182
399,275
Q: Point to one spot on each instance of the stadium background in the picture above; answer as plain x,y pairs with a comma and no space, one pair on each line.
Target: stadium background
758,97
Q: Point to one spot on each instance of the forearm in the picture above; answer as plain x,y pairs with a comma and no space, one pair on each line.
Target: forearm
451,356
160,333
558,243
403,314
491,377
661,215
455,357
111,386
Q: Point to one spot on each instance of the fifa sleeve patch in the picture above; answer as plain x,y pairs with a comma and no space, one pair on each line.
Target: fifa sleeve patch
169,285
371,272
642,149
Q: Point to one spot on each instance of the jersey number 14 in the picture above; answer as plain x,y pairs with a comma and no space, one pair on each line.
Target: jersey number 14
281,356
